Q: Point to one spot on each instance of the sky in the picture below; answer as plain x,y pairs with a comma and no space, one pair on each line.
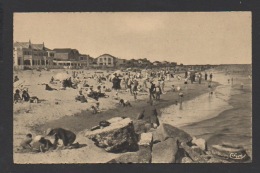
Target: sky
182,37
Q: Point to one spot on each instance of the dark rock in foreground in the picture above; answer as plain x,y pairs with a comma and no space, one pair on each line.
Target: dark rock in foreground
164,152
119,136
165,131
143,155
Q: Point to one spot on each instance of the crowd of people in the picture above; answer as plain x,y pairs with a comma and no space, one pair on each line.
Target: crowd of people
149,82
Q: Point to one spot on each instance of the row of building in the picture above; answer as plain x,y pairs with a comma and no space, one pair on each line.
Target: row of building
29,55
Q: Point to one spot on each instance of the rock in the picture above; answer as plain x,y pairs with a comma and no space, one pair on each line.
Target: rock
230,152
193,154
197,149
118,137
145,139
165,151
201,143
141,156
165,131
186,160
115,119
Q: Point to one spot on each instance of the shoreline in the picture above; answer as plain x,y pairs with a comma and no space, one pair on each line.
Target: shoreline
219,129
85,119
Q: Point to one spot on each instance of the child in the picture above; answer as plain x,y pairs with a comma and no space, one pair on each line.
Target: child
173,88
181,96
97,106
125,103
94,109
25,96
26,143
210,89
17,97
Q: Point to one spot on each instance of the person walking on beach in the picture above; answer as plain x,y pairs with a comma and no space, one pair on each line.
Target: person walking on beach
206,76
152,91
210,89
210,76
135,89
200,76
181,97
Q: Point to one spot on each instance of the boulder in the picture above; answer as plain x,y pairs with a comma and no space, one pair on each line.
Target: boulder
198,150
196,157
143,155
145,139
186,160
115,119
165,151
165,131
117,137
201,143
230,152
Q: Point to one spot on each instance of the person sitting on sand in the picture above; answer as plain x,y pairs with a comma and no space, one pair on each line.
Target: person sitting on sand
150,115
93,109
26,143
17,97
125,103
16,78
40,144
81,97
25,96
67,137
52,79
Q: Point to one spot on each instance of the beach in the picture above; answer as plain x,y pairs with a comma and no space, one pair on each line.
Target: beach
200,114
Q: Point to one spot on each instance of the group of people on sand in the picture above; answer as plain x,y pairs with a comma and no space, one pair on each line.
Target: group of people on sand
42,144
25,97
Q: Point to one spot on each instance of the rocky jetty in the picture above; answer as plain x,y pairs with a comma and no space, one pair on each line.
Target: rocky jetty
139,143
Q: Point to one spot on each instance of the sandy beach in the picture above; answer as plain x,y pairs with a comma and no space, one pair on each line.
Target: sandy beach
77,117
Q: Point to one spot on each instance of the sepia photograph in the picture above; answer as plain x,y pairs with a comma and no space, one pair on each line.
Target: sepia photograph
132,87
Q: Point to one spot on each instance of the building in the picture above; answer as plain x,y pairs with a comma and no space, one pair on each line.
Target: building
71,58
26,54
120,62
106,60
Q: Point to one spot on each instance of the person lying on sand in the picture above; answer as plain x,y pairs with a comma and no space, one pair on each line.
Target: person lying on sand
67,137
125,103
